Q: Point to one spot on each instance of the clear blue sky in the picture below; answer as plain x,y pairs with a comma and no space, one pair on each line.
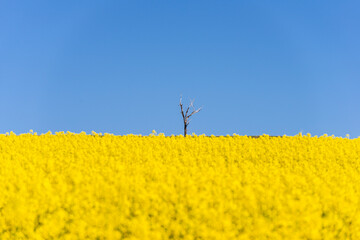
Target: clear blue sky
274,67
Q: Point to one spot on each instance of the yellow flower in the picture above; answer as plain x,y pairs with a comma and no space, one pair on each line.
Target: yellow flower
78,186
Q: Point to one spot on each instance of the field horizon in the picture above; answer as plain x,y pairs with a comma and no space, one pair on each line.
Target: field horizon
154,133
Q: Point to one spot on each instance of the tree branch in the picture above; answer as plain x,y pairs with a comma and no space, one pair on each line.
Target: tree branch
182,111
196,111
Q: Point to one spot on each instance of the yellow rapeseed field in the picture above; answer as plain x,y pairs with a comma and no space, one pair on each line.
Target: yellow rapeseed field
102,186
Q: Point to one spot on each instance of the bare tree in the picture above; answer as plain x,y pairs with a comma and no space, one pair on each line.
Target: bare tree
187,115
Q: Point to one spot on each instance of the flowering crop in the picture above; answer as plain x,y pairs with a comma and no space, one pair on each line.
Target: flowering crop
78,186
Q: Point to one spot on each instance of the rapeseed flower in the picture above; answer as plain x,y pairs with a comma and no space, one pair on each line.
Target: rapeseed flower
102,186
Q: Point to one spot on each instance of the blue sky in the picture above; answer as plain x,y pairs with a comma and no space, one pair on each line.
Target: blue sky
273,67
